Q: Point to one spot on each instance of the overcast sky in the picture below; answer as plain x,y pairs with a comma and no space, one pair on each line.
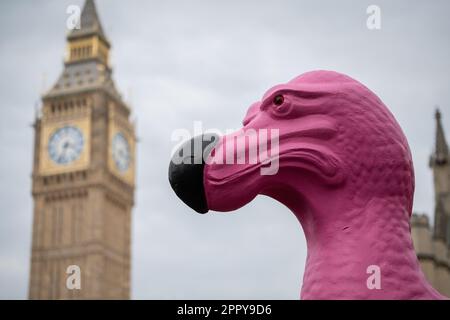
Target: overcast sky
209,60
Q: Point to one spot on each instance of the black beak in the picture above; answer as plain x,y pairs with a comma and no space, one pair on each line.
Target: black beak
186,171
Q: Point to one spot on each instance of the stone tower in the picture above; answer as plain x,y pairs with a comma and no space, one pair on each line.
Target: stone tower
83,176
433,245
439,162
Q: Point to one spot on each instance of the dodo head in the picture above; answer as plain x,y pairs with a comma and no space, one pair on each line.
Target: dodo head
328,139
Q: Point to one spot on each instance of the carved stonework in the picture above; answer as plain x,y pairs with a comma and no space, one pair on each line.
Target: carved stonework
83,182
433,243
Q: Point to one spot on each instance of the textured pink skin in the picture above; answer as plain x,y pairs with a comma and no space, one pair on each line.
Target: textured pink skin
346,173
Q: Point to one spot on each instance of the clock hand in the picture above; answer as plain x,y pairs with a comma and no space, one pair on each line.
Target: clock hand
65,147
62,156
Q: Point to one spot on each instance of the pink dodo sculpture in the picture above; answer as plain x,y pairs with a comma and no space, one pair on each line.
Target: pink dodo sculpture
344,168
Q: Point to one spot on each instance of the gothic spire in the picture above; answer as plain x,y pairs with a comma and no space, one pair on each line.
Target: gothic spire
89,23
86,66
441,155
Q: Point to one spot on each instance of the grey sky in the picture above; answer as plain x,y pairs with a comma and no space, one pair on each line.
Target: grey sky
208,60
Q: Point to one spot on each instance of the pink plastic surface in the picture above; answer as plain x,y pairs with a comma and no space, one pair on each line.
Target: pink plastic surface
346,172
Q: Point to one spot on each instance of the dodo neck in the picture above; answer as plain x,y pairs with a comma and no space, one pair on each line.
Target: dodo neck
345,255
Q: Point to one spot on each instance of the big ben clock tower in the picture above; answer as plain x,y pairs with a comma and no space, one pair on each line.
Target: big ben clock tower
83,176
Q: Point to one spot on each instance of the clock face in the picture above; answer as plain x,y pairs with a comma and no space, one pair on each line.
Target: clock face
65,145
121,152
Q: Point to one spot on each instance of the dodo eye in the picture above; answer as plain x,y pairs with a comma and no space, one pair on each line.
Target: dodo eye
278,100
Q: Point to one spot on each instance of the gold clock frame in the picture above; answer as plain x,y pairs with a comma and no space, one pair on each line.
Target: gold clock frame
116,125
46,165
